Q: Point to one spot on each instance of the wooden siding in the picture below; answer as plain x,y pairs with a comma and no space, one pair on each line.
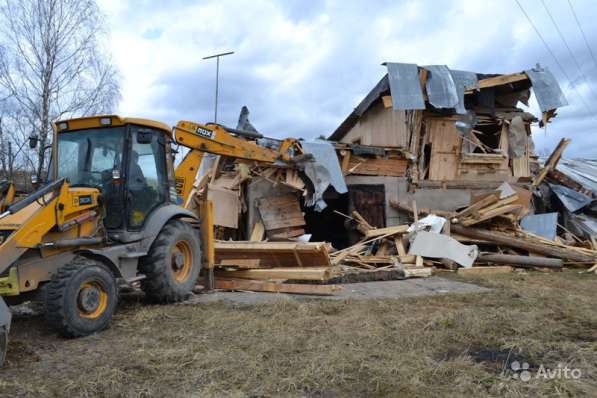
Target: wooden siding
380,126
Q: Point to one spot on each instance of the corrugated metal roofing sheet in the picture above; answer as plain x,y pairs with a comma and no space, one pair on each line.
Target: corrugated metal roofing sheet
583,171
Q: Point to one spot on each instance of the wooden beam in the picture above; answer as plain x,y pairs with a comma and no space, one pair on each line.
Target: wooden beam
552,161
298,273
521,261
488,200
387,101
491,214
400,246
521,243
498,269
500,80
399,229
272,287
405,207
258,231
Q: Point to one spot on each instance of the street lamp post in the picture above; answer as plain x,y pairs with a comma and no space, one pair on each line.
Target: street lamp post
217,57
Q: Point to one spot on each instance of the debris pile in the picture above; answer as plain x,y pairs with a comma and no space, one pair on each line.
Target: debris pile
434,169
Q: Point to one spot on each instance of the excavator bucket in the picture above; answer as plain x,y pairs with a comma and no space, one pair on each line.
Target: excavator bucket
5,318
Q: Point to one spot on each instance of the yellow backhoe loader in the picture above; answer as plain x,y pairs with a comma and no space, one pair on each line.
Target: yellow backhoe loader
8,194
110,213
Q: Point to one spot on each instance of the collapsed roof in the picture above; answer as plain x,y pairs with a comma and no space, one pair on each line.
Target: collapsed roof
439,89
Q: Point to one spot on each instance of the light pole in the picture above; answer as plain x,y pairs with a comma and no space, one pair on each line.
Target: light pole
217,57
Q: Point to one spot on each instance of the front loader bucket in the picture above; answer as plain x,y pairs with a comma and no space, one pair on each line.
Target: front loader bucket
5,318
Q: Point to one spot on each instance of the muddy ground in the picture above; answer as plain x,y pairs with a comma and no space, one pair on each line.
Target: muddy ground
442,345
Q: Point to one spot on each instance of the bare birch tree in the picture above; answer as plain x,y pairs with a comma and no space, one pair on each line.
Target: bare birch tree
52,66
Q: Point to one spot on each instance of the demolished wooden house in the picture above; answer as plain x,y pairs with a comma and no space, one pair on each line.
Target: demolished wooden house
434,168
441,135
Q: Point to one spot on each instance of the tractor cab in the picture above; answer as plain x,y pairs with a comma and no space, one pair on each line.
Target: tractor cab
127,159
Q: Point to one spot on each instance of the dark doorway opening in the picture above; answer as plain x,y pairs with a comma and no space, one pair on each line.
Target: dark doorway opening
327,225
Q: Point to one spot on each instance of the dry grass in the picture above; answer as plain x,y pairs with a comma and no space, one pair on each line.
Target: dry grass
434,346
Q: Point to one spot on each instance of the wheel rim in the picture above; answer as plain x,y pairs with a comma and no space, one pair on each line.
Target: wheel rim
92,300
181,260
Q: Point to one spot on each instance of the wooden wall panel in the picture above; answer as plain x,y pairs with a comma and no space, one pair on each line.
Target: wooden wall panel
445,149
380,126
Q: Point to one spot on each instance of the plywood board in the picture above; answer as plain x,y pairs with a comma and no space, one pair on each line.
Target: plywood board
281,212
445,149
226,206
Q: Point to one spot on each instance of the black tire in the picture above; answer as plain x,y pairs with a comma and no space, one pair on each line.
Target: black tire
168,281
81,298
3,344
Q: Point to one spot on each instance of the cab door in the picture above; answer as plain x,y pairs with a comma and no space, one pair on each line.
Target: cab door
147,180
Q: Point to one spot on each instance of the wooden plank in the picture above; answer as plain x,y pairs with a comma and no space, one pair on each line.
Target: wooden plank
501,80
346,154
552,161
420,272
207,233
482,158
387,101
399,229
272,287
285,233
502,202
521,261
378,166
258,231
241,263
364,225
525,244
497,269
405,207
297,273
556,155
400,246
446,142
488,200
491,214
281,212
272,254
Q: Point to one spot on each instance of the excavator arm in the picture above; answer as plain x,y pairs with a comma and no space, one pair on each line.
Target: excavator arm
7,194
219,140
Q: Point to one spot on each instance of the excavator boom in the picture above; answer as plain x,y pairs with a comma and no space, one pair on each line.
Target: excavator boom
224,141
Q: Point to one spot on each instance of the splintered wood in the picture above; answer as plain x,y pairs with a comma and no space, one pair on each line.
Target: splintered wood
381,249
249,265
488,206
272,254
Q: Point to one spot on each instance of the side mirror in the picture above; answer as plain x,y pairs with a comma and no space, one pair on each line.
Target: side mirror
144,136
33,140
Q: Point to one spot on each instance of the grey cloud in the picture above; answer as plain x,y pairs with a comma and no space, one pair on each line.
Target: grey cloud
351,66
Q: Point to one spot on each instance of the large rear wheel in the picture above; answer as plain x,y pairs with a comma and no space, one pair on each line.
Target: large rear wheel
5,317
81,298
173,263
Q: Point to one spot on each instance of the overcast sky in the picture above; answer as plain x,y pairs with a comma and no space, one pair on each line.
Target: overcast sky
302,66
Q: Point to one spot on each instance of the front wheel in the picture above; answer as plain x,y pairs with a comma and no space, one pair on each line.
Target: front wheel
173,263
81,298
